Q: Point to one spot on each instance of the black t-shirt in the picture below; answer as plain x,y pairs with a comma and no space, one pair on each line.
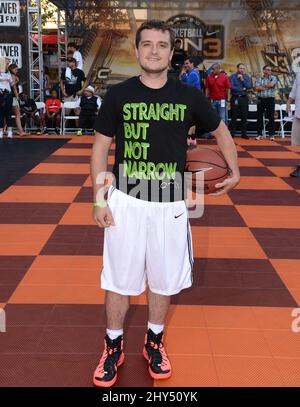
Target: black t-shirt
73,80
151,127
179,56
28,106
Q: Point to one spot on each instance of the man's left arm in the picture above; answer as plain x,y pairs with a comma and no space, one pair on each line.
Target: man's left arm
228,148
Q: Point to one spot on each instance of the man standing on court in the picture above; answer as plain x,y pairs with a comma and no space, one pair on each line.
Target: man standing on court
217,87
266,87
147,233
295,98
240,84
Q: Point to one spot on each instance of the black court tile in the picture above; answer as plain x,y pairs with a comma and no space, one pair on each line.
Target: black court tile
280,162
261,197
32,213
19,156
67,159
279,243
255,172
71,180
75,240
219,216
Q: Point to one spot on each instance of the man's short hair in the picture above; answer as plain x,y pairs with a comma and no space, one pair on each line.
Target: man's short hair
267,66
192,59
73,45
155,25
216,64
240,64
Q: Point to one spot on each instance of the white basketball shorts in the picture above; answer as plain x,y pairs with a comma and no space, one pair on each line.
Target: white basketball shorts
151,241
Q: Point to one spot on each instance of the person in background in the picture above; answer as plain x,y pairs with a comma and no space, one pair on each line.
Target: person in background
13,70
29,110
265,88
52,116
74,48
87,108
217,88
240,84
46,83
294,97
72,81
190,75
6,97
179,56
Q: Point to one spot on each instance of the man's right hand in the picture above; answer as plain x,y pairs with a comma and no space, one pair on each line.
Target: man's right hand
103,216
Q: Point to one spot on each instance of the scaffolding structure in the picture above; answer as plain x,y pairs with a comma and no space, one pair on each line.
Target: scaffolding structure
35,50
62,34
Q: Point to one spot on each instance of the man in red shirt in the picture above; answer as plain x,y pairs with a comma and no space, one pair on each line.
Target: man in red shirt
218,90
51,117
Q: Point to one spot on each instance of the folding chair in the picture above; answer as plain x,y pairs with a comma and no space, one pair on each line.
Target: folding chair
64,117
285,118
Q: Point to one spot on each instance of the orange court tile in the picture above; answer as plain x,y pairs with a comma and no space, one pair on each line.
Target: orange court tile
73,151
218,242
263,183
274,154
283,343
73,262
248,372
111,159
296,294
217,200
270,216
286,265
48,194
289,370
253,142
78,214
294,148
61,276
238,342
88,182
139,299
24,240
229,317
269,318
249,162
2,306
185,316
196,343
58,294
56,168
202,374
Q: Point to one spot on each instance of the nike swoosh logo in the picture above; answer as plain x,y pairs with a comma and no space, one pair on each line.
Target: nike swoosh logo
178,216
209,34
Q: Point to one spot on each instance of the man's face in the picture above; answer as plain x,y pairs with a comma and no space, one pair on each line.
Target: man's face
88,94
24,97
268,71
188,65
242,70
54,94
178,45
154,51
71,64
216,69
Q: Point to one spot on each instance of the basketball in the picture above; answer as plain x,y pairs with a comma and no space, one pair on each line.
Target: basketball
211,163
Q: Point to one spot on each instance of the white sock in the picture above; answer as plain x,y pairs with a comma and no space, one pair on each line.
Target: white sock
157,329
9,134
114,333
1,134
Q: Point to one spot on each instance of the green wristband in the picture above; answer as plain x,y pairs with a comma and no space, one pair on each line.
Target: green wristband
101,204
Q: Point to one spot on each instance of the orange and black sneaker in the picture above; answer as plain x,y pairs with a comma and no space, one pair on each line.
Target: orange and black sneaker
105,374
154,352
